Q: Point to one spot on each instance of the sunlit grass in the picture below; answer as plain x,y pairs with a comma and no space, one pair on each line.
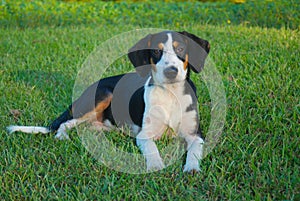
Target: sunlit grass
22,13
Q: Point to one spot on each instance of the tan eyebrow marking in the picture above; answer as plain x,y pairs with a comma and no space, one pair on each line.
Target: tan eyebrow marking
175,44
160,46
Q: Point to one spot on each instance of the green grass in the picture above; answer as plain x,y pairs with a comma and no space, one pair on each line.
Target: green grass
266,13
258,154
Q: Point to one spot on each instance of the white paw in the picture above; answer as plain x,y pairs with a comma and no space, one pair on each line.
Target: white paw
62,136
155,163
192,167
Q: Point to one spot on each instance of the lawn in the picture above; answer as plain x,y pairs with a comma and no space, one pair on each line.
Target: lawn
257,157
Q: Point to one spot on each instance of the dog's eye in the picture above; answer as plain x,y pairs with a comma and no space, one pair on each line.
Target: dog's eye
156,52
179,49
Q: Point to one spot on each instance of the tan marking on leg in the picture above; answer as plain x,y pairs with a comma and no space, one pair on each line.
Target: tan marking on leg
97,113
102,106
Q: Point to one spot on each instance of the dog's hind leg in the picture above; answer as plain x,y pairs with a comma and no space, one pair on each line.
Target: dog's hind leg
62,130
65,116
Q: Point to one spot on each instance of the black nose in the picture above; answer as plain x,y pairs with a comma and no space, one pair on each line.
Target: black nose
171,72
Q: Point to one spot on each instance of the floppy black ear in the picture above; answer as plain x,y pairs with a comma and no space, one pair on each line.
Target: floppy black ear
139,55
198,50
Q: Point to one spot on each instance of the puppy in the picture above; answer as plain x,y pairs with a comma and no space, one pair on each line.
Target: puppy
158,96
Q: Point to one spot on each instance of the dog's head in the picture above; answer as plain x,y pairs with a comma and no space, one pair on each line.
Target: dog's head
169,55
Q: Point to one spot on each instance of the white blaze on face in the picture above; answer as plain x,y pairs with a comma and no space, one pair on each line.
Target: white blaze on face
168,59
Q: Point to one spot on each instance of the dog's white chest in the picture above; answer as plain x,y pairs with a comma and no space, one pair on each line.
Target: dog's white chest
170,105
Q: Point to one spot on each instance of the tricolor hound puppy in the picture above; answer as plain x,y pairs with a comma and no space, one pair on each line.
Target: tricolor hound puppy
163,62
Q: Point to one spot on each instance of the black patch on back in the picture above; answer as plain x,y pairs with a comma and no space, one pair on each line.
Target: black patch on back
127,105
87,102
137,107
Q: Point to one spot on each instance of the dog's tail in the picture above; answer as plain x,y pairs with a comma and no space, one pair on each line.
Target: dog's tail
28,129
65,116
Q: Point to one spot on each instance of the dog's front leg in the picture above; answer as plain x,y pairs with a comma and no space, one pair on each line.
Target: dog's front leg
153,127
194,153
151,153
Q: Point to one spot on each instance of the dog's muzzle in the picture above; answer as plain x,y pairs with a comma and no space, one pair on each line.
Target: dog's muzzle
171,72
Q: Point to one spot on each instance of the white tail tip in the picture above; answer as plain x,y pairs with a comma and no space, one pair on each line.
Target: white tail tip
28,129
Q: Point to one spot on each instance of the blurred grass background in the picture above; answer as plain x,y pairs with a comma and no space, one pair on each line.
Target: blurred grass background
266,13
